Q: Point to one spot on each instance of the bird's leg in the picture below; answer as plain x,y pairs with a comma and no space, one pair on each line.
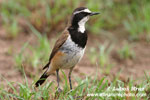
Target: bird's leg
70,78
57,73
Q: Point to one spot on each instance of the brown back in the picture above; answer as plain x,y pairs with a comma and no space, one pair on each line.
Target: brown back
61,40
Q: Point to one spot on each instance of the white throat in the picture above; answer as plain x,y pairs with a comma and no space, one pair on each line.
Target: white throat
81,24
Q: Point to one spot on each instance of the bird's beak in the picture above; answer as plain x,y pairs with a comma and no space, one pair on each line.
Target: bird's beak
94,13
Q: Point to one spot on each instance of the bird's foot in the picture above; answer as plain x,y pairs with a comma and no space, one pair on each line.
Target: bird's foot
59,90
57,93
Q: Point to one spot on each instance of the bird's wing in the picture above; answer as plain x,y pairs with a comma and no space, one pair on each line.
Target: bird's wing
57,45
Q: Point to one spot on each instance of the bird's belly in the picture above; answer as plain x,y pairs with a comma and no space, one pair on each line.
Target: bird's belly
73,53
71,58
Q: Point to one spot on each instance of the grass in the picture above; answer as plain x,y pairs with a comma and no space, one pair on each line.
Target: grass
134,27
41,51
138,20
44,16
19,58
10,13
12,29
33,56
86,88
104,52
126,52
101,57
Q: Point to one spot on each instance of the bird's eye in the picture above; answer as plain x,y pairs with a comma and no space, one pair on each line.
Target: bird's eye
85,13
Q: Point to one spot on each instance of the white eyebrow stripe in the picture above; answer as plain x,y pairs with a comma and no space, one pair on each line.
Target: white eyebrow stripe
85,10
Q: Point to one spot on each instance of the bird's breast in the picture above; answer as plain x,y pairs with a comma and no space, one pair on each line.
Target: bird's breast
73,53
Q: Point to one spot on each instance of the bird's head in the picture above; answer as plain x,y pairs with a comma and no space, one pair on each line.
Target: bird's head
80,16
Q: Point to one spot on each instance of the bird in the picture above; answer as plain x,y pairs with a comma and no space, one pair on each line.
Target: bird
69,48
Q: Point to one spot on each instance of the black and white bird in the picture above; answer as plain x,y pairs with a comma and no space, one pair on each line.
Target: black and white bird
69,48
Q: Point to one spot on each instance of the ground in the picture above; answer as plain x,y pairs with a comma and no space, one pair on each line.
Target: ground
130,68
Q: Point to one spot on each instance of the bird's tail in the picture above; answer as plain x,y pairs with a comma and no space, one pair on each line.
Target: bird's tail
42,79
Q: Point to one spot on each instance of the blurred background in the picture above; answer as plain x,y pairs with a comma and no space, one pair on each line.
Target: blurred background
118,43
